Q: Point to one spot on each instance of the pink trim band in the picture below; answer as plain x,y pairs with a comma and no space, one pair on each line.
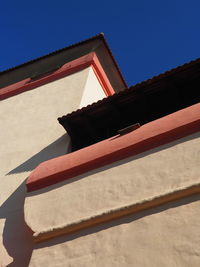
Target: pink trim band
67,69
156,133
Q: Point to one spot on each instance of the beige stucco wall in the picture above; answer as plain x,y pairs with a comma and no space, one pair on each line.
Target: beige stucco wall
150,174
29,135
167,236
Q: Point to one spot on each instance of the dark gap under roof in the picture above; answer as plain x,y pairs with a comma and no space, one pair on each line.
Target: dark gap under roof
147,101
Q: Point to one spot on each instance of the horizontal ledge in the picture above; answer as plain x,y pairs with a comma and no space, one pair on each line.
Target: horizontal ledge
69,68
117,213
156,133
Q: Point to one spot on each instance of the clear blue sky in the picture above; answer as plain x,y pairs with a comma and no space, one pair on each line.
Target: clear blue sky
147,37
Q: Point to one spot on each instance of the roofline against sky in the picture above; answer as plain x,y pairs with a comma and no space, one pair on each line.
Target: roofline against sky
98,36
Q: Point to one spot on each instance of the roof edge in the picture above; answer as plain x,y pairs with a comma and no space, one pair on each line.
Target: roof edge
69,68
98,36
133,88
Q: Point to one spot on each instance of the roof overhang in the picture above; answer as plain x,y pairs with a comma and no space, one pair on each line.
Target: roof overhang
56,60
153,134
90,60
150,100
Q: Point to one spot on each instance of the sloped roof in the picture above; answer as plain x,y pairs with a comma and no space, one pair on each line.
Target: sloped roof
187,67
56,59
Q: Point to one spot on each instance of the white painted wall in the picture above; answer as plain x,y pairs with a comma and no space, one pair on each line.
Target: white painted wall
133,180
30,134
93,90
166,236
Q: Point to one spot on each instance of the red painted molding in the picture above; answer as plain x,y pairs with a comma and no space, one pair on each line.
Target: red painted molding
101,76
67,69
156,133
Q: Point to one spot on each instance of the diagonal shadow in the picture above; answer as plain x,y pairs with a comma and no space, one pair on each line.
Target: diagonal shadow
58,148
17,237
15,230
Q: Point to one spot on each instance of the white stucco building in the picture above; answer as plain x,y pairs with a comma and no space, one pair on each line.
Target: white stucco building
94,173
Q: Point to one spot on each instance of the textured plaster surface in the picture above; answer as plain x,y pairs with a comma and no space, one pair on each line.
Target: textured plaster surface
29,135
147,175
119,212
165,236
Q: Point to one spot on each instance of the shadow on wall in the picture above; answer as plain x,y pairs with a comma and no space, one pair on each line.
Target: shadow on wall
123,220
17,237
58,148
